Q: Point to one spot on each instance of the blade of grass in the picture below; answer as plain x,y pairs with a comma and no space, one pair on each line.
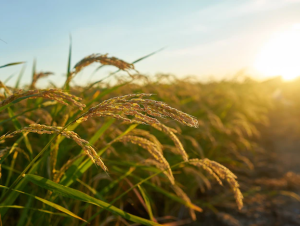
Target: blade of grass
18,126
31,167
19,77
12,165
67,86
55,206
79,170
136,61
75,194
92,190
10,169
147,202
16,101
11,64
115,182
22,219
33,68
45,104
35,209
137,194
9,77
11,150
101,131
131,188
165,192
10,197
149,55
73,168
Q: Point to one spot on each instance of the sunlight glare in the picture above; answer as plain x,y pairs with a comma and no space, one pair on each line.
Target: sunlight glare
281,55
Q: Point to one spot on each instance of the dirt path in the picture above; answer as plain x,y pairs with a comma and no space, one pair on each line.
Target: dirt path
282,137
276,178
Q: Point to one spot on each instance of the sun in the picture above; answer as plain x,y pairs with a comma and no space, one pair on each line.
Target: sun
281,55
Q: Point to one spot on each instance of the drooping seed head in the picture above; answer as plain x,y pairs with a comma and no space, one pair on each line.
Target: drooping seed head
38,76
219,172
52,94
152,149
44,129
134,105
104,60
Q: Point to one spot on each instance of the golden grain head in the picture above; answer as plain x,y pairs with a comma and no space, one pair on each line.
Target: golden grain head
149,136
174,138
151,148
104,60
44,129
219,172
200,163
160,167
135,105
38,76
52,94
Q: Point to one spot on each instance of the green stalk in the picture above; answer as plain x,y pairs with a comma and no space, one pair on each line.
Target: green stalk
34,160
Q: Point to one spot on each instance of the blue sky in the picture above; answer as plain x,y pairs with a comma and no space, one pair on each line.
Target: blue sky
203,38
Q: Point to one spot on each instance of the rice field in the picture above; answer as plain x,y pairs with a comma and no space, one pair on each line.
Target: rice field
143,150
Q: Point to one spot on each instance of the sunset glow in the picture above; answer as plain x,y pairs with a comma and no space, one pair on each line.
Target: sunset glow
281,55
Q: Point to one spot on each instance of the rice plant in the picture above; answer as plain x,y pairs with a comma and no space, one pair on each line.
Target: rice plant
136,151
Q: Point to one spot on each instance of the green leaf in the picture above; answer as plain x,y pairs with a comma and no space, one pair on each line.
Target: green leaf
67,86
11,64
45,104
18,126
22,219
149,55
35,209
12,165
10,198
132,187
79,170
33,68
101,131
16,101
116,181
75,194
92,190
9,77
55,206
19,77
165,192
136,61
73,168
11,150
147,201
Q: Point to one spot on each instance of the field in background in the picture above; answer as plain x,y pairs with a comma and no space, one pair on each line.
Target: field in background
251,128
